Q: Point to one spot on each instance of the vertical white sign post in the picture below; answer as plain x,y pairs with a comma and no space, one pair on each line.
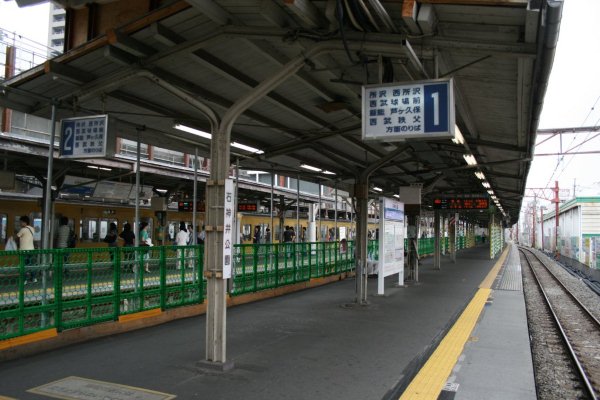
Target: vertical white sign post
228,227
391,242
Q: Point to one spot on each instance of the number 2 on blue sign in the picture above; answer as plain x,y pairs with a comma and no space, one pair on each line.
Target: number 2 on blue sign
68,139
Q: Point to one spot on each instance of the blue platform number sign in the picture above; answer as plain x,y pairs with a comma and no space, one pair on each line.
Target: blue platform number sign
397,111
84,137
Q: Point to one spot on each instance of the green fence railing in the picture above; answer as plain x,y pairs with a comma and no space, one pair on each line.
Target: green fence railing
266,266
69,288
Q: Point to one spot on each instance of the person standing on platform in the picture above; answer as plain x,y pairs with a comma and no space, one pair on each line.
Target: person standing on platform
190,231
256,237
268,235
25,236
145,242
181,239
63,234
111,238
202,236
128,241
288,238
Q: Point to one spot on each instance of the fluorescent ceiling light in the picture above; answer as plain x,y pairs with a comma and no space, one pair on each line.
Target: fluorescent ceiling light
458,137
485,184
377,189
470,159
491,192
161,190
310,167
480,175
328,172
193,131
100,168
247,148
207,135
397,196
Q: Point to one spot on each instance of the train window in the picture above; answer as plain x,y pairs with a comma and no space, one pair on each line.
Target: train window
247,232
173,229
104,224
3,221
36,219
90,229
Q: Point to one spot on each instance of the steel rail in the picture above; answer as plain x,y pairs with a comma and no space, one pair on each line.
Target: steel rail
583,375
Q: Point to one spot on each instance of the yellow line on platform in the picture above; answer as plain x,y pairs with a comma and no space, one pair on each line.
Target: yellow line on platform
33,337
140,315
432,377
491,276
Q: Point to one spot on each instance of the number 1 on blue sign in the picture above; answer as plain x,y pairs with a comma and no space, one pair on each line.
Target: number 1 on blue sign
436,108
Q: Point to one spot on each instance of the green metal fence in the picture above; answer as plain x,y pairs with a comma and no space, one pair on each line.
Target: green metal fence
266,266
69,288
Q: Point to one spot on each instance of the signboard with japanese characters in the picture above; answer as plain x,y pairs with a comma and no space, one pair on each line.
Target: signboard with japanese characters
228,228
391,242
419,109
85,137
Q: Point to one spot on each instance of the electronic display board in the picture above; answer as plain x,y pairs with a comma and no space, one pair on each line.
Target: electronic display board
247,207
460,203
188,205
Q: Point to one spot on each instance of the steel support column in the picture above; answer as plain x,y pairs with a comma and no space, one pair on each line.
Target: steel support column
361,192
436,241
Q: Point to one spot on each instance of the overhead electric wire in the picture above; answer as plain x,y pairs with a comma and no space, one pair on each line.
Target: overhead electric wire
574,138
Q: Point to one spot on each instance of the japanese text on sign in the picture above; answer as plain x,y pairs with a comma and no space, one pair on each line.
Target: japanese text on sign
416,109
84,137
460,203
228,227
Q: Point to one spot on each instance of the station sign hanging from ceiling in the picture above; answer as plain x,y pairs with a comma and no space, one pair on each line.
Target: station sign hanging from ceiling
398,111
86,137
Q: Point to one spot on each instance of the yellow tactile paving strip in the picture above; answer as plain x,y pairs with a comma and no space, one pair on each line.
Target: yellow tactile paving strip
432,377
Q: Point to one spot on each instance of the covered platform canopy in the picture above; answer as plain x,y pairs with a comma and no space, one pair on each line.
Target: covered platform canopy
299,66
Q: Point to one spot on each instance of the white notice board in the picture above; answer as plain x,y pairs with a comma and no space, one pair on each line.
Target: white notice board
391,241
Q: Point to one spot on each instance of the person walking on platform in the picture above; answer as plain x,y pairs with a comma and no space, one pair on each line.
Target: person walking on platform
145,242
181,239
25,236
128,241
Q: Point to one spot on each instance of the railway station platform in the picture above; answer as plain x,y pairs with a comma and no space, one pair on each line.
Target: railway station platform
313,344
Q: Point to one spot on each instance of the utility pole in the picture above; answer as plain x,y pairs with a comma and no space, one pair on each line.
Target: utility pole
533,226
556,201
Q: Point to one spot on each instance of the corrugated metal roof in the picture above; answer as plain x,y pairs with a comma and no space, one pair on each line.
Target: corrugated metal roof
492,52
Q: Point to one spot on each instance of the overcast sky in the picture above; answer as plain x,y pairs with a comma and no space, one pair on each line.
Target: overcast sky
572,99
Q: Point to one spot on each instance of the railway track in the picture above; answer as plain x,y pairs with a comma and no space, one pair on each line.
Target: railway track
566,331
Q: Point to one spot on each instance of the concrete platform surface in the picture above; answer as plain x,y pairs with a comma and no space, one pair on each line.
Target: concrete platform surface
496,363
306,345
